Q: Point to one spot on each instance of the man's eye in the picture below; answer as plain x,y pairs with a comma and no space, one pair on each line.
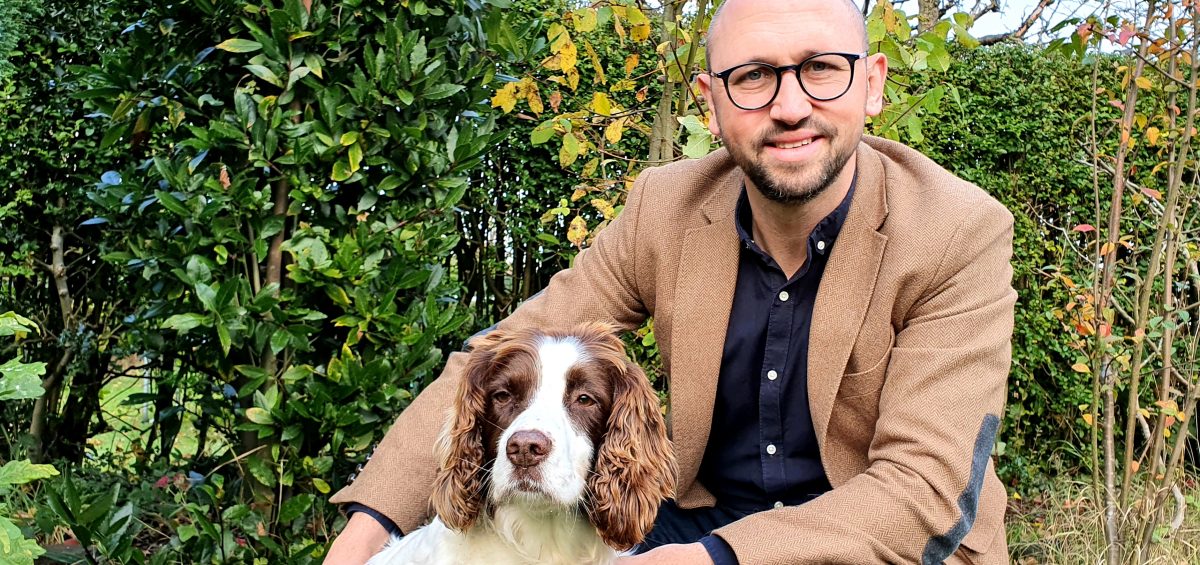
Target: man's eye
755,75
585,400
501,397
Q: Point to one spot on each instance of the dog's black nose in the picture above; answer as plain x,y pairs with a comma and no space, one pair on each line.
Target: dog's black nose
527,448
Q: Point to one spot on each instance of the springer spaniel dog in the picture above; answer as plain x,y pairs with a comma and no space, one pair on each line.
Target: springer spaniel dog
555,452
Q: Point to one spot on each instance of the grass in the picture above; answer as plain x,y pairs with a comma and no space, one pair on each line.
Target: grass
1064,524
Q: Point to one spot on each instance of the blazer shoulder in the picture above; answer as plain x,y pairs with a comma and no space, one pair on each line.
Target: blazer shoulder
921,192
688,185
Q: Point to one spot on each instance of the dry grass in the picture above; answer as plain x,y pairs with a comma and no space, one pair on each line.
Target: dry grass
1065,525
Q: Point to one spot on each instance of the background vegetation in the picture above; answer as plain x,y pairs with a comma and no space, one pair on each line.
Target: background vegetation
237,237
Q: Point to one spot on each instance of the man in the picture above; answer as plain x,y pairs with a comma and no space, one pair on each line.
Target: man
835,314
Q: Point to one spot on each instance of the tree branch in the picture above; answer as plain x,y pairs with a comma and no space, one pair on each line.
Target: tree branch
1024,28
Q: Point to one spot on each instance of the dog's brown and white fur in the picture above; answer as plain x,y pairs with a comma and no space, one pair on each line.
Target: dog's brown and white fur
555,452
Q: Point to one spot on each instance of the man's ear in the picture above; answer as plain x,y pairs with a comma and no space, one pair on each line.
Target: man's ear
704,81
876,67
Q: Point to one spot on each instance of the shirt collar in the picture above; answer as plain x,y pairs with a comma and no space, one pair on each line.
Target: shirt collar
820,241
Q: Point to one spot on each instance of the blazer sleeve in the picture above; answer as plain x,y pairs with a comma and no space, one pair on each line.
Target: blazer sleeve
602,285
939,411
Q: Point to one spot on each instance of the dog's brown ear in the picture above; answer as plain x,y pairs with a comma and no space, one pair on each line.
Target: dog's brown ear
635,466
460,488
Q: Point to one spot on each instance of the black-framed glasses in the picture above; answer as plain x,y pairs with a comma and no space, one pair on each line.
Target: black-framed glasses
823,77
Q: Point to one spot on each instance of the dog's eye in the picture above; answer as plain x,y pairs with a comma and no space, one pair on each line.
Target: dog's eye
585,400
501,397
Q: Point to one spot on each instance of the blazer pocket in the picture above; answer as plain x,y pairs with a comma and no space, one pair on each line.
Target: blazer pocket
869,380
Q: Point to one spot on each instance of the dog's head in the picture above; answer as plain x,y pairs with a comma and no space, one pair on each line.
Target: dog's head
554,420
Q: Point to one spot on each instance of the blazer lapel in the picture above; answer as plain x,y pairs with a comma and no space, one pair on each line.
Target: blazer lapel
703,298
846,289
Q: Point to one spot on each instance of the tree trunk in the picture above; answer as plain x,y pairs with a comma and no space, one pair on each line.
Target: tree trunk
928,14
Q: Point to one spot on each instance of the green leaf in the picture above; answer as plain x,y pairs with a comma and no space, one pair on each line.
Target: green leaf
185,322
261,471
355,156
280,340
21,380
259,416
15,324
207,296
341,170
239,45
265,74
442,91
294,507
15,549
172,203
542,133
24,471
225,338
185,532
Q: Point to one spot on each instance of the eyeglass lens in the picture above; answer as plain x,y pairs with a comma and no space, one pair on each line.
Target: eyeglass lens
824,77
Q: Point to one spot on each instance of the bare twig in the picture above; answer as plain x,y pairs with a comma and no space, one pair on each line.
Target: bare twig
1022,29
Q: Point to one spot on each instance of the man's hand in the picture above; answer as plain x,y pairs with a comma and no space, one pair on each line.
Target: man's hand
673,554
362,538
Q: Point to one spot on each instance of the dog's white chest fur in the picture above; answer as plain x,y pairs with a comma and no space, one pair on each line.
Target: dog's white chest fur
513,537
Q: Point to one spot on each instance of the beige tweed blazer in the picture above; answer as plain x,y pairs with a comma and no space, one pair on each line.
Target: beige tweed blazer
908,357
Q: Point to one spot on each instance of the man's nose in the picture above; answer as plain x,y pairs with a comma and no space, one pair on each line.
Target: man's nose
792,104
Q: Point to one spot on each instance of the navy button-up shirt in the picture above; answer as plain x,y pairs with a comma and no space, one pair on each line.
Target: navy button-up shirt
762,451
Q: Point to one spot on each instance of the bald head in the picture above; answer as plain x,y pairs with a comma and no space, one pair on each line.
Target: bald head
848,9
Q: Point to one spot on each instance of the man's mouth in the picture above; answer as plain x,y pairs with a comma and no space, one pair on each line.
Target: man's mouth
794,144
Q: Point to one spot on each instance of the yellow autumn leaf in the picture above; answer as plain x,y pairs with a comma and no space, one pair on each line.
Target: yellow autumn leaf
622,85
572,75
596,65
585,20
613,132
570,56
578,231
579,193
589,168
605,207
601,104
1144,83
640,32
1081,368
535,100
1088,419
1135,465
569,152
1152,135
506,97
631,63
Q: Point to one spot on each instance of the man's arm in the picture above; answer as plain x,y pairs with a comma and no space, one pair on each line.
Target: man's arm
939,410
362,537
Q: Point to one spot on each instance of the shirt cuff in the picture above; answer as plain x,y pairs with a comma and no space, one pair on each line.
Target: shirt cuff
719,550
384,521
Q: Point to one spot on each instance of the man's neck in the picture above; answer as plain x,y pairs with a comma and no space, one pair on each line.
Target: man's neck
782,230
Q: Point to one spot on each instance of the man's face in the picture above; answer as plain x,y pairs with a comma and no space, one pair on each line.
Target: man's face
795,147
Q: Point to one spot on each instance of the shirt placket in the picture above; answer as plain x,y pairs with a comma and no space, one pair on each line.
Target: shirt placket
782,312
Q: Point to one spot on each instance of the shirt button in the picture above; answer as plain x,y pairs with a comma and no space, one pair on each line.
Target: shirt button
778,504
771,449
772,375
783,296
820,246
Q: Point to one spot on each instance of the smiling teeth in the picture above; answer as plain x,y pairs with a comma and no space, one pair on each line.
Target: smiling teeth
793,145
